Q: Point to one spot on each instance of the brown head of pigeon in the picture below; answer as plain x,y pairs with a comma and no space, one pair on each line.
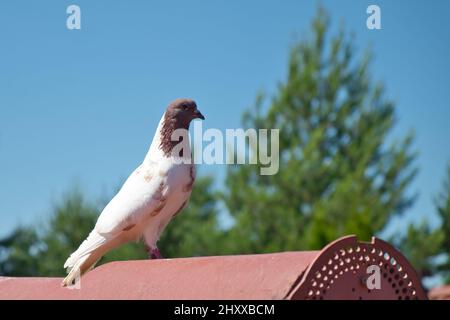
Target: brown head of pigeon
155,192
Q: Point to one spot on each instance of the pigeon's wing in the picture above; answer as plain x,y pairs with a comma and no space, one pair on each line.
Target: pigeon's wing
143,193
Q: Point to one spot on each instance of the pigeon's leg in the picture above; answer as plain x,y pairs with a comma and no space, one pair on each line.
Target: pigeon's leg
153,253
151,236
156,254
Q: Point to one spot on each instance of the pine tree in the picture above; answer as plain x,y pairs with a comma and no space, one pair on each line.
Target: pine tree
427,248
421,245
338,174
443,209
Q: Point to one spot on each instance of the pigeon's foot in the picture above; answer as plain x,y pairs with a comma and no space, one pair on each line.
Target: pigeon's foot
154,253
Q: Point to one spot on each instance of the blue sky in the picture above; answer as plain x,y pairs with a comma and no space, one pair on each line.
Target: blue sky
80,107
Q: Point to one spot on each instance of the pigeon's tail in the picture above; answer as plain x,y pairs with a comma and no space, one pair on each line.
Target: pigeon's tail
85,257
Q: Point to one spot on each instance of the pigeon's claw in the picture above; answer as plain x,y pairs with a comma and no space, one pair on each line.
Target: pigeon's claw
154,253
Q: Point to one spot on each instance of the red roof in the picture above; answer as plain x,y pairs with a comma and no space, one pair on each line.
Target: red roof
440,293
336,272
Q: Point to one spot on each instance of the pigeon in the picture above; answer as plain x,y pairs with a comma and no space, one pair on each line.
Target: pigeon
153,194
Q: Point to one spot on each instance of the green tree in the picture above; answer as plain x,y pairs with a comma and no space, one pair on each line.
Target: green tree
42,250
16,253
428,249
338,175
443,209
421,245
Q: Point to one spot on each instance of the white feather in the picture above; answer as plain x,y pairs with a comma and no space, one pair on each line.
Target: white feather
158,181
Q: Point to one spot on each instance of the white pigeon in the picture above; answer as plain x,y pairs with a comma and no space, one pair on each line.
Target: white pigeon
151,196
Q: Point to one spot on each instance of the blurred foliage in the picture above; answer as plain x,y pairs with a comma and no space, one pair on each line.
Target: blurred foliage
443,209
339,174
421,245
18,254
428,249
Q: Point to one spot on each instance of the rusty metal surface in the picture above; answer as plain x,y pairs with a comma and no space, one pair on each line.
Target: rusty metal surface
440,293
264,276
340,272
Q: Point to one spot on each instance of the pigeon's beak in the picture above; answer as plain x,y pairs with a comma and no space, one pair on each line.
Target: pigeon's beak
198,115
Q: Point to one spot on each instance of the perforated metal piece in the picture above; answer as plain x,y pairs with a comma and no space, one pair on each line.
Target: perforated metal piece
342,270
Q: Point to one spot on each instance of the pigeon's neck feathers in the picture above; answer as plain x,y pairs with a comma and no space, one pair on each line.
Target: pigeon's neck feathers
162,144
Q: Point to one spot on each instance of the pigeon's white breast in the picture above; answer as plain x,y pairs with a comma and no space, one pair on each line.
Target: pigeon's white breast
179,180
